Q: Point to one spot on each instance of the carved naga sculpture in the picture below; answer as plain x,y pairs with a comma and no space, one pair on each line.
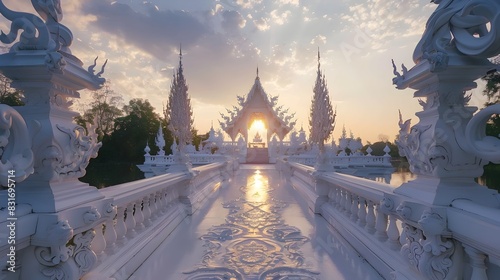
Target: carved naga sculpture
459,40
461,27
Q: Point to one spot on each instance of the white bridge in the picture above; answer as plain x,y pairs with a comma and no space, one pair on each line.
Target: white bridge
226,220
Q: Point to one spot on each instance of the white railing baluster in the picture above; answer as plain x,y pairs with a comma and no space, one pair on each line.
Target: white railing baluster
381,224
98,243
354,207
477,262
110,235
338,197
370,218
146,211
393,233
341,204
348,202
130,220
154,205
362,211
120,227
138,215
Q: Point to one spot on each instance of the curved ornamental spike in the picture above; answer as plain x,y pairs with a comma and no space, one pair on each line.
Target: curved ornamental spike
35,35
483,146
16,156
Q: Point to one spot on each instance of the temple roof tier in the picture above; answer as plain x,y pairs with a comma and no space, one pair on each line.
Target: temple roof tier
257,105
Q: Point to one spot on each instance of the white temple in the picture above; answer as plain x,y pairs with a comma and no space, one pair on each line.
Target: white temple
257,107
228,221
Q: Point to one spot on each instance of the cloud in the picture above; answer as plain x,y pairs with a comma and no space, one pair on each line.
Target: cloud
318,40
232,22
280,18
261,24
384,21
156,32
247,4
289,2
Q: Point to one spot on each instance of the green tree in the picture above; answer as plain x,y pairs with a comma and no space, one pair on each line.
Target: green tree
492,92
131,133
103,110
9,95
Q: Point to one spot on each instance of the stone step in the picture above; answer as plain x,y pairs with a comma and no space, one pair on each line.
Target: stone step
257,155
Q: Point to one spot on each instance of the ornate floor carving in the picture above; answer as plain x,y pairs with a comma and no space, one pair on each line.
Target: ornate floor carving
254,242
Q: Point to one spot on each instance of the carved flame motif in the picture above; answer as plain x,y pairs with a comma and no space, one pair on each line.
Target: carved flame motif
254,242
83,147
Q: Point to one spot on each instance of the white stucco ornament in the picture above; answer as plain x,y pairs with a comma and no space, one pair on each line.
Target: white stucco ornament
460,28
448,147
15,143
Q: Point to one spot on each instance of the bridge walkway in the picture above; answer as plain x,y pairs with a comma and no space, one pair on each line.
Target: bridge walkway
255,228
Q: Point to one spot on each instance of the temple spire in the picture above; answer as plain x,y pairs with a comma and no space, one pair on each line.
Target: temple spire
180,58
319,64
257,71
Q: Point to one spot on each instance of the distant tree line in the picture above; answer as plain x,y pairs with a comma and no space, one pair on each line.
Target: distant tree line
125,132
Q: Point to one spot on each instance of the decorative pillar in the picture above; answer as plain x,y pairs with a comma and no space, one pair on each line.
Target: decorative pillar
41,65
46,150
447,148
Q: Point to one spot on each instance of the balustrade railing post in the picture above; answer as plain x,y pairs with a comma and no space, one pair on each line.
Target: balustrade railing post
381,224
362,211
110,235
98,243
154,205
348,203
477,263
121,227
163,202
130,220
370,218
338,197
342,200
393,232
146,210
354,208
138,215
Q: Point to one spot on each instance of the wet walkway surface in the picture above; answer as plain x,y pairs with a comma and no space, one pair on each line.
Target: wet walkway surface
255,228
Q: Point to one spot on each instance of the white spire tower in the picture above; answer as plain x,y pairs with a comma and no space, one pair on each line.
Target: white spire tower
322,117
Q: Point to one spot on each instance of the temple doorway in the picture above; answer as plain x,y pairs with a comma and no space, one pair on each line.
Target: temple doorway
257,134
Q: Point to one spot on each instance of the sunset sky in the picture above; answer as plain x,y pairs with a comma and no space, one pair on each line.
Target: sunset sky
224,41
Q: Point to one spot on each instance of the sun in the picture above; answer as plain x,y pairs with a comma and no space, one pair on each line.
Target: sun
258,125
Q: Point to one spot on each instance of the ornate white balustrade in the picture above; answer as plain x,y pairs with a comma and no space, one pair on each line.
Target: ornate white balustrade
146,212
160,164
403,238
118,236
195,159
344,161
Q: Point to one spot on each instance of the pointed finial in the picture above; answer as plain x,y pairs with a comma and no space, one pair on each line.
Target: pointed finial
257,71
319,64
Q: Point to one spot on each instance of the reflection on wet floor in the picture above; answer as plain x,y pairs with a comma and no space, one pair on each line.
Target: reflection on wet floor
254,242
255,228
